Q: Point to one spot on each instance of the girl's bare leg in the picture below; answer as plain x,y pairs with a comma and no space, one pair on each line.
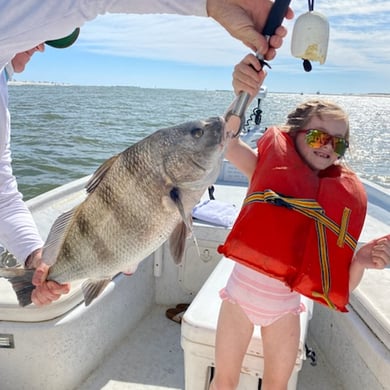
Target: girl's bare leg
280,346
234,331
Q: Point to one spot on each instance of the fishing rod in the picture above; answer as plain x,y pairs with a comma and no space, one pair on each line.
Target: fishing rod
309,42
275,19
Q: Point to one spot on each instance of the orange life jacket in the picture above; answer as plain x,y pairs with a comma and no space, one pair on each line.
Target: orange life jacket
299,226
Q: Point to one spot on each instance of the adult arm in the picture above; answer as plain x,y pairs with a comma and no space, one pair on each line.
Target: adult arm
18,232
32,22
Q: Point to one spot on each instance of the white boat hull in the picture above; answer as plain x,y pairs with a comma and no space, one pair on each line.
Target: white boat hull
108,345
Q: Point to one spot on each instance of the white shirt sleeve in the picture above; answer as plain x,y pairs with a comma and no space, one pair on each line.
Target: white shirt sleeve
18,232
25,24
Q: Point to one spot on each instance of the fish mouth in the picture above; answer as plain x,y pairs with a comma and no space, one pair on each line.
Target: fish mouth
217,126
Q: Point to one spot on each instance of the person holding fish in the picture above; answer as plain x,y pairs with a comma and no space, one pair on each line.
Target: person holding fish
18,231
296,234
243,20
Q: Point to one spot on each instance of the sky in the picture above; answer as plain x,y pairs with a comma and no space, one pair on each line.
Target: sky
187,52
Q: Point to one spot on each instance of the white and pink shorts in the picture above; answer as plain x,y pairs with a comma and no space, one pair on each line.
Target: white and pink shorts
263,299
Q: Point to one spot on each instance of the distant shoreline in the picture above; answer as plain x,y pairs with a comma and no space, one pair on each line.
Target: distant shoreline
18,83
54,83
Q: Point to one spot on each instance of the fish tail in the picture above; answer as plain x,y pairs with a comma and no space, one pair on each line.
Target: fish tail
22,285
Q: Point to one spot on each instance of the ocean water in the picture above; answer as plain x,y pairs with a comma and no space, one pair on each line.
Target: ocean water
60,133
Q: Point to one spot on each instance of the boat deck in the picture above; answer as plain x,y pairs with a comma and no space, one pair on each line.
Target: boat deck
151,358
124,341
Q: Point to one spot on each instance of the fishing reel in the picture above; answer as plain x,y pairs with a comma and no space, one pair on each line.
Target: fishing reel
310,37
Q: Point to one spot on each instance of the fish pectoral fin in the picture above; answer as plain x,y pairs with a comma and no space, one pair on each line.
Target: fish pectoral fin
93,288
55,238
177,242
99,174
21,280
175,196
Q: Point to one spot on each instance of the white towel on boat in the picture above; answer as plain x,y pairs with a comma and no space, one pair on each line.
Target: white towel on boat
217,212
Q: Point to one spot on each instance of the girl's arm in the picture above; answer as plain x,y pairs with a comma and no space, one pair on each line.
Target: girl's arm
247,77
375,254
242,156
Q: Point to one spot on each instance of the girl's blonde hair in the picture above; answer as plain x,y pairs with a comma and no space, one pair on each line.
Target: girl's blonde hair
302,114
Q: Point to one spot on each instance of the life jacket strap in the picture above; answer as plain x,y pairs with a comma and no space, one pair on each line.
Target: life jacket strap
312,209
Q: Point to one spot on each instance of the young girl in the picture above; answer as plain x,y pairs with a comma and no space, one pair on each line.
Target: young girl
296,233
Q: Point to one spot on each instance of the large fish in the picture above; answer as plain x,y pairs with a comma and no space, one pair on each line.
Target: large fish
136,200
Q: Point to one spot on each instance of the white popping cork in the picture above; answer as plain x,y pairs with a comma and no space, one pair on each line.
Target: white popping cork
310,37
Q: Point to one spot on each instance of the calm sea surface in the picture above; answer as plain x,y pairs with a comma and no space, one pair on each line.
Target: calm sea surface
60,133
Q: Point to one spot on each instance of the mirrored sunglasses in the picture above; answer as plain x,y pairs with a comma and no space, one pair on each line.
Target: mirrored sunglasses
316,138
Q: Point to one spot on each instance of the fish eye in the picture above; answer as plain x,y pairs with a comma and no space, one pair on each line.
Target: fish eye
197,132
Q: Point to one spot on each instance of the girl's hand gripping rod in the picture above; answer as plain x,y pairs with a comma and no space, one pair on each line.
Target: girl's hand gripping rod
275,19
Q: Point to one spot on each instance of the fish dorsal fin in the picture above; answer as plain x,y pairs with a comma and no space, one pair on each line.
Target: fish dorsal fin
177,242
93,288
54,240
100,173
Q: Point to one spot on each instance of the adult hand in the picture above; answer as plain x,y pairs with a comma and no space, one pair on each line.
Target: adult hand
46,291
245,20
375,254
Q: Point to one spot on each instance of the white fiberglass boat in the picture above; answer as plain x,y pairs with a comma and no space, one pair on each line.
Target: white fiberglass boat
124,340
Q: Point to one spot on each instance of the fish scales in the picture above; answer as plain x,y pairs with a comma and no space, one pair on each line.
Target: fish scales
143,174
130,224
